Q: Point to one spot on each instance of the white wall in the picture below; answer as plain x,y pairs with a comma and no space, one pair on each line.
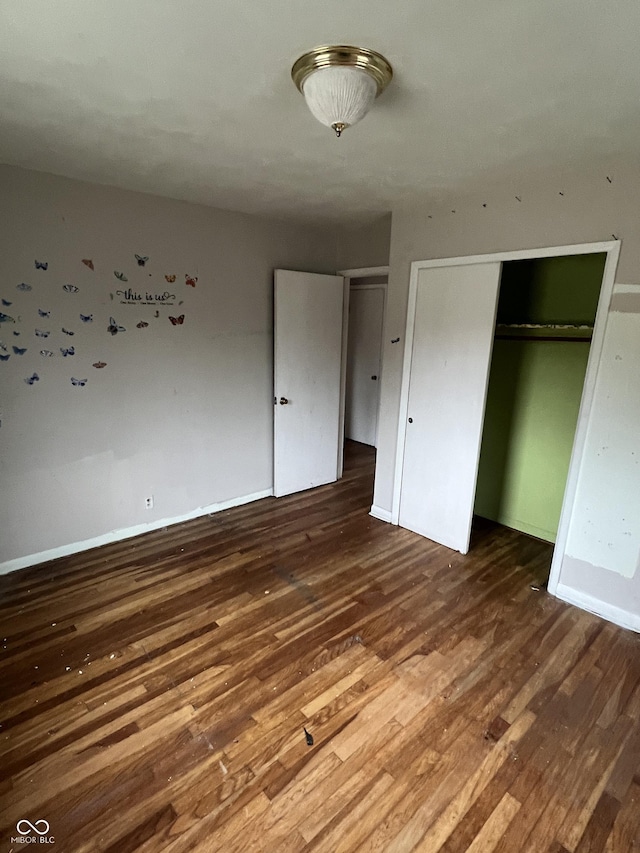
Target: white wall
182,412
601,572
365,246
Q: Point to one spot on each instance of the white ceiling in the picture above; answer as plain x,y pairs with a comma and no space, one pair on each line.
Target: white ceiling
192,99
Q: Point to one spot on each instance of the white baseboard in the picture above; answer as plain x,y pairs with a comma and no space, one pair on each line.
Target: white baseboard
623,618
382,514
125,533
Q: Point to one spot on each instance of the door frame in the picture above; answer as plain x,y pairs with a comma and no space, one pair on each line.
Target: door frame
612,250
383,287
351,276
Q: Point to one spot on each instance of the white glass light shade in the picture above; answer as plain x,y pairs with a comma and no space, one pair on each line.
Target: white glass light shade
339,96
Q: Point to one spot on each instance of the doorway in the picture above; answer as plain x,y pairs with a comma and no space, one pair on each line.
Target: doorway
546,312
364,278
364,359
311,324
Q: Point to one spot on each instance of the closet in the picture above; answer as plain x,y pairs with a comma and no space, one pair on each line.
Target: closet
533,311
545,316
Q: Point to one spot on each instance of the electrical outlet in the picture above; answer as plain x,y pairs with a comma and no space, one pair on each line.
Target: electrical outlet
148,502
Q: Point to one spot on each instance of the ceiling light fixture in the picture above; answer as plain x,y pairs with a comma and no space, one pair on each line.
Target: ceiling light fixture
340,82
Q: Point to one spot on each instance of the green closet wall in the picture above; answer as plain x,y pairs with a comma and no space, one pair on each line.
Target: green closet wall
535,388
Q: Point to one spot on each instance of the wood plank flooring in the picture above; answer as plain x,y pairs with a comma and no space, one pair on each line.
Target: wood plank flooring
156,692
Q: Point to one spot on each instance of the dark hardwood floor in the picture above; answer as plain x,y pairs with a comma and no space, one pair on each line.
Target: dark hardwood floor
156,692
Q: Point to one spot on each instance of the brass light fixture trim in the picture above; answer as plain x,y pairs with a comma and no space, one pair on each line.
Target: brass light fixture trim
329,56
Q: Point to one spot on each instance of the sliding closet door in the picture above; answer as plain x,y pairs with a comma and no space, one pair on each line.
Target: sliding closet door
453,332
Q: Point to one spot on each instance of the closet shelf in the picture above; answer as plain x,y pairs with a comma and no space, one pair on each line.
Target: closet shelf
544,331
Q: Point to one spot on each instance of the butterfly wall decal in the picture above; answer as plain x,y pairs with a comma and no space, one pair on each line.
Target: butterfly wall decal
113,328
5,318
67,332
42,313
46,353
141,325
19,350
177,321
6,303
142,260
170,278
67,351
99,364
41,334
33,378
70,288
41,265
88,263
86,318
24,287
80,382
16,334
120,276
4,357
191,280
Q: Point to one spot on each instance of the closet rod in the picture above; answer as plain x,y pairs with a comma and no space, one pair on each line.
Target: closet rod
544,331
563,338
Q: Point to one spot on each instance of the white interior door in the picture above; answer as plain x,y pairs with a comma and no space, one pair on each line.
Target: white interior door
308,319
453,331
366,314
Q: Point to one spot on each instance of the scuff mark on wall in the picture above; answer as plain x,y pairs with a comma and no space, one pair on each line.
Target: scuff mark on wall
605,528
581,580
627,303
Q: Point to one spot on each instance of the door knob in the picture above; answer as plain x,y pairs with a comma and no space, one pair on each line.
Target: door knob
283,401
374,377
